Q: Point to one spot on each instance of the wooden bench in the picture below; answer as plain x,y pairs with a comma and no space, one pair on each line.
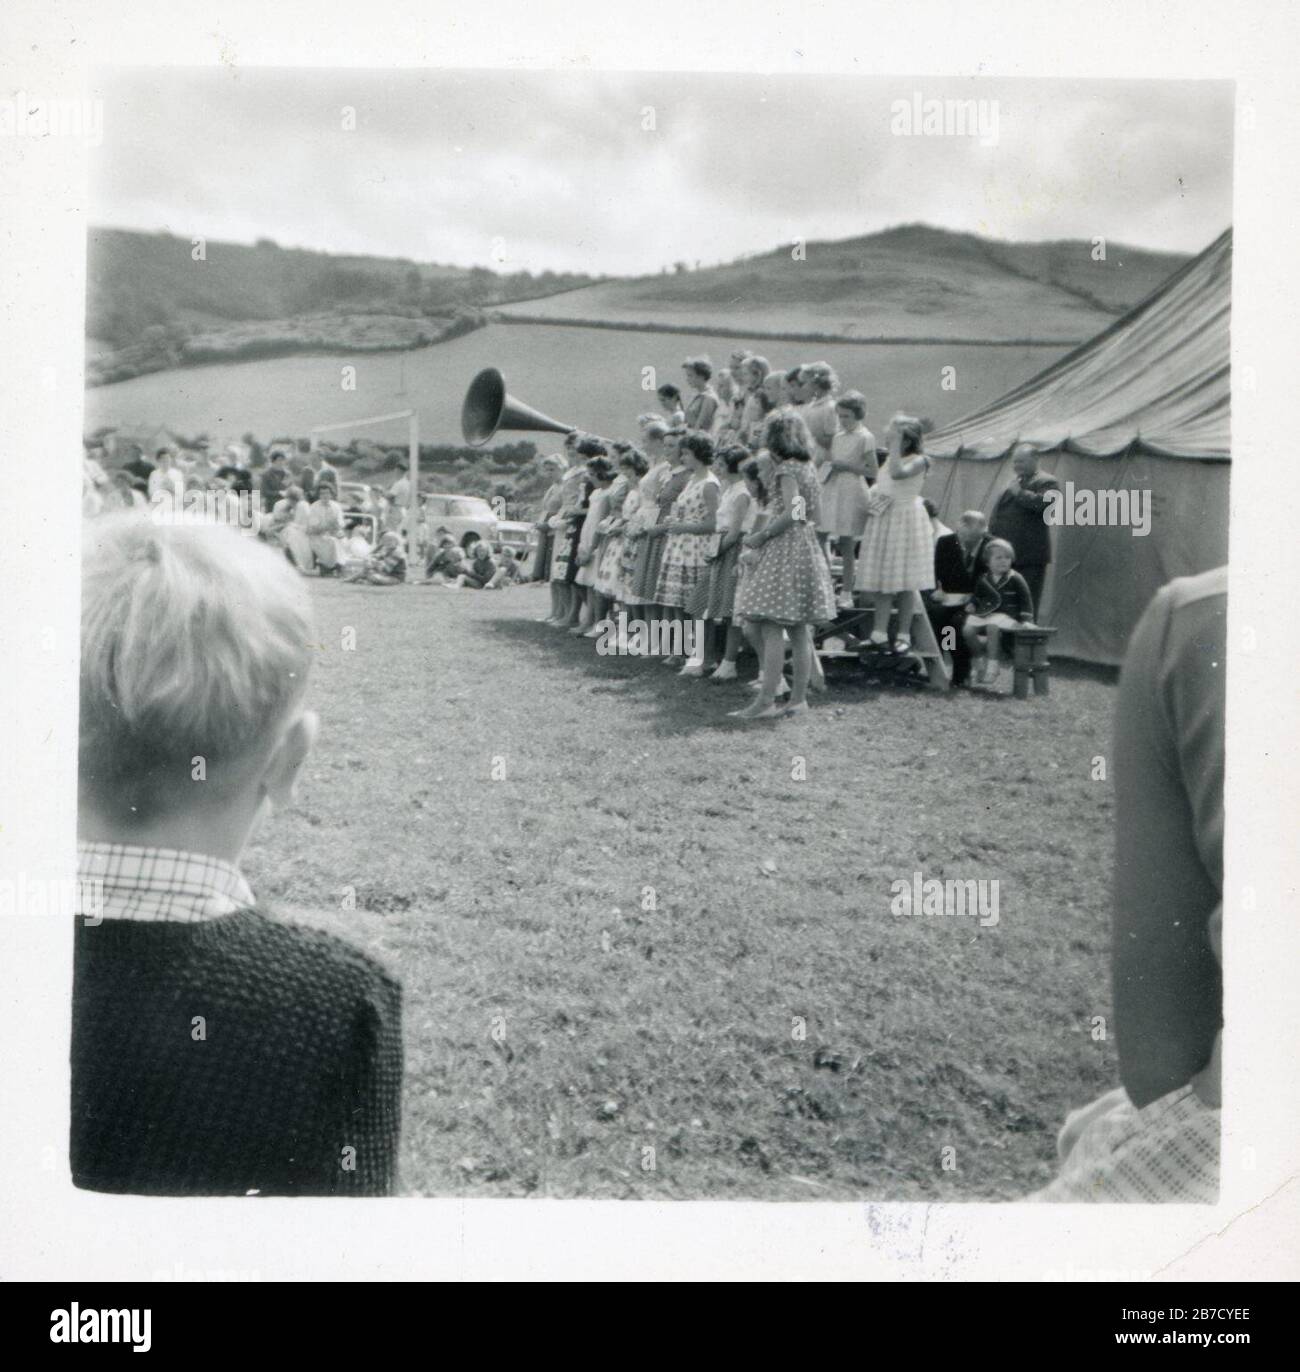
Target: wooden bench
1029,660
857,624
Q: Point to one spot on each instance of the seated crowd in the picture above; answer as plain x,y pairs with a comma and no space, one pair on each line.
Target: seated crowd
359,538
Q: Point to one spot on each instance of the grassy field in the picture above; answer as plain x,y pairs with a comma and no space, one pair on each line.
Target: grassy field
500,799
907,282
587,377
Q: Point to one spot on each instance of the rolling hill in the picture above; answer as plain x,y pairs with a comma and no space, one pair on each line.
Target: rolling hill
152,304
912,283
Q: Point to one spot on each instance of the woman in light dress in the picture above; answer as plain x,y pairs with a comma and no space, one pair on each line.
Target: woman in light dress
734,508
845,477
702,407
820,384
897,557
756,403
639,519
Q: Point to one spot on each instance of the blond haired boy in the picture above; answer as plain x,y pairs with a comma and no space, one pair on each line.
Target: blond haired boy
215,1050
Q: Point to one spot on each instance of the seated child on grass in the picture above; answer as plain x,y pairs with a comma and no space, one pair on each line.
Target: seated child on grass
1001,601
480,572
216,1049
446,561
387,564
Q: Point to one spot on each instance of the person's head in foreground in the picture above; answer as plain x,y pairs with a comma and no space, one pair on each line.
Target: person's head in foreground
215,1050
195,650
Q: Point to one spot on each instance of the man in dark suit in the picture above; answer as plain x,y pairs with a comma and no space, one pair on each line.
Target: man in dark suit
1020,517
958,565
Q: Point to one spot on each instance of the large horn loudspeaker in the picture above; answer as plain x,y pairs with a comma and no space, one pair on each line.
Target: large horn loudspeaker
489,406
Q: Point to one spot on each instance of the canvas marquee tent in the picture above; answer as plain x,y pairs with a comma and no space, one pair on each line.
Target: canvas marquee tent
1143,406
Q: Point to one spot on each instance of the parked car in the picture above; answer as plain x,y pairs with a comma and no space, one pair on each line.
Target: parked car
355,495
519,537
466,517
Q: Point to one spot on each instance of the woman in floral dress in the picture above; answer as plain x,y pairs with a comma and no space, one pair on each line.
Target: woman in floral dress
688,539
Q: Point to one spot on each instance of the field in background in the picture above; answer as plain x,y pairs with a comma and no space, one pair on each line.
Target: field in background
556,1028
587,377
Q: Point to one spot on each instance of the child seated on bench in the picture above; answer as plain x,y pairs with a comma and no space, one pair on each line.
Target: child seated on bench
1001,601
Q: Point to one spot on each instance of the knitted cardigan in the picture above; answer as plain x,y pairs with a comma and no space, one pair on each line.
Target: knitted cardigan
229,1056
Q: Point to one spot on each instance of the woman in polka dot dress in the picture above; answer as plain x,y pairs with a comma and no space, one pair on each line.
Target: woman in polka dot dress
788,589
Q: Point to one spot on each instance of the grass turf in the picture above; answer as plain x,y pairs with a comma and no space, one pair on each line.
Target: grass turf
647,961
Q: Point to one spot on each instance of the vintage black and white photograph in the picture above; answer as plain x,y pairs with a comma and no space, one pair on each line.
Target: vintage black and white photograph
653,635
602,601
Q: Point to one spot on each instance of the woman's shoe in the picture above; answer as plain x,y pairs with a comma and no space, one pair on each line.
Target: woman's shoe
692,669
754,712
725,671
800,709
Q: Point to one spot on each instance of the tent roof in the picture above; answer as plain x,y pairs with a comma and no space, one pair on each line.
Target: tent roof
1156,381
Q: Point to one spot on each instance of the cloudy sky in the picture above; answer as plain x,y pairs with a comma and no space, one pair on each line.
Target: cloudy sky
526,170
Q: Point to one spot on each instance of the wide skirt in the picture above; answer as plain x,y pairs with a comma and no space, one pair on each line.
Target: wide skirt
897,552
609,571
844,505
790,583
561,553
681,568
587,572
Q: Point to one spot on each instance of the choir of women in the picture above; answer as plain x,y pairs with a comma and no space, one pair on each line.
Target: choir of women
722,526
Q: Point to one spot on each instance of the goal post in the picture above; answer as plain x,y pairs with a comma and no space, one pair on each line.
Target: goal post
412,419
